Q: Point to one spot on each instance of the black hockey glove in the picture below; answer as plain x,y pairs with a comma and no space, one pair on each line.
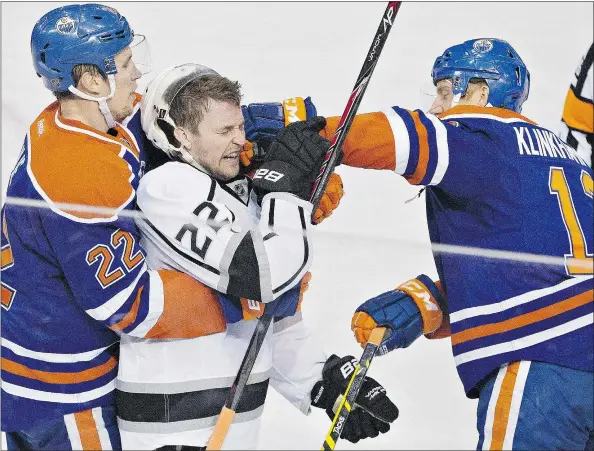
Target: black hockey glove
293,160
373,411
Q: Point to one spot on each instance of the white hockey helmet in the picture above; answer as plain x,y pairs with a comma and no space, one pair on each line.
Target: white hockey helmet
156,101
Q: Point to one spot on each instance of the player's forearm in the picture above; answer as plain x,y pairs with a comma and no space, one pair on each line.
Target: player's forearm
284,229
190,308
369,143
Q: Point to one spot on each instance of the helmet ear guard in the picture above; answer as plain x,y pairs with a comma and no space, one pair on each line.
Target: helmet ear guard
157,123
493,60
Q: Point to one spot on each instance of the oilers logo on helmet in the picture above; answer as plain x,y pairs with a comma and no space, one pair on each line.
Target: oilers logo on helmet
483,46
106,34
66,25
489,59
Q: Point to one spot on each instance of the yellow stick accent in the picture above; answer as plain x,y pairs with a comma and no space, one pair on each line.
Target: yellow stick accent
220,431
330,442
375,338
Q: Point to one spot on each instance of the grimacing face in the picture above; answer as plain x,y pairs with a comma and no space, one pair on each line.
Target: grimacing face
121,104
220,140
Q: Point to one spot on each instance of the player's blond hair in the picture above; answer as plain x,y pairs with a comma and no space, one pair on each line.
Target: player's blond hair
190,104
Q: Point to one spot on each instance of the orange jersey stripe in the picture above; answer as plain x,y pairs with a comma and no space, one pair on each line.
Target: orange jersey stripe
503,406
130,317
190,309
421,168
578,113
59,378
87,430
523,320
499,112
369,143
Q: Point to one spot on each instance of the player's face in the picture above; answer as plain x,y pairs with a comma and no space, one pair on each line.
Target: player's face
220,140
121,104
444,99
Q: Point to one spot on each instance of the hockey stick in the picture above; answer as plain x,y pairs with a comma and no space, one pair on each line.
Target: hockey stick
228,411
352,106
249,359
352,390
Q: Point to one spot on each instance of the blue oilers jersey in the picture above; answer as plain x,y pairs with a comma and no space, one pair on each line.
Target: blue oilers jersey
497,181
74,278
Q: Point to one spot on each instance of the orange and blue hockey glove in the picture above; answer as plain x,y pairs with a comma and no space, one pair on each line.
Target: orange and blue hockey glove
413,309
237,309
263,121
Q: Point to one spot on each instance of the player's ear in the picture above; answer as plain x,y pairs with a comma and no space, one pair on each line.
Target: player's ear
484,98
92,84
181,135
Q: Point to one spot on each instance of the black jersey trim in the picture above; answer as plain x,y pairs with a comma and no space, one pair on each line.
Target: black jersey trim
305,254
185,255
581,79
168,408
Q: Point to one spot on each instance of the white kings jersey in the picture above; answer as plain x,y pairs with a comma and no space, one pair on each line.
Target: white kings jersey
170,392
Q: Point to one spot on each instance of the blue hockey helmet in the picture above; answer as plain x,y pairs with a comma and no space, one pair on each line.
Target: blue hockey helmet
493,60
77,34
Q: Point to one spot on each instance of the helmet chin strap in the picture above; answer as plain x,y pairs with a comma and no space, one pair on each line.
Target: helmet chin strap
185,155
456,100
102,101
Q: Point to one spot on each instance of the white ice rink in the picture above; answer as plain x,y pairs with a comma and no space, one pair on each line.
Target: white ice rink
374,241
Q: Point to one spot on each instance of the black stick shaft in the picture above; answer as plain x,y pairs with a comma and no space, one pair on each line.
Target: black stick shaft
247,364
352,106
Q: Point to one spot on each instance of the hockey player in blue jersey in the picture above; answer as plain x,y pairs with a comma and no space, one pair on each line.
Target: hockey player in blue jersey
522,333
74,279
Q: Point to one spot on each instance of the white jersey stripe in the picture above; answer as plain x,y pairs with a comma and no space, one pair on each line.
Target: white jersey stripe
103,434
443,150
156,306
53,357
490,417
64,398
107,309
509,120
524,342
187,425
524,298
187,386
516,402
401,140
72,429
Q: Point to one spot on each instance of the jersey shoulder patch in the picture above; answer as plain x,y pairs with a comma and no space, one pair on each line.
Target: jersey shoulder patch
70,163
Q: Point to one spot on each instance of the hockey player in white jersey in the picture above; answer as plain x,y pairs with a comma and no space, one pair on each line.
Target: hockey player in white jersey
249,241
